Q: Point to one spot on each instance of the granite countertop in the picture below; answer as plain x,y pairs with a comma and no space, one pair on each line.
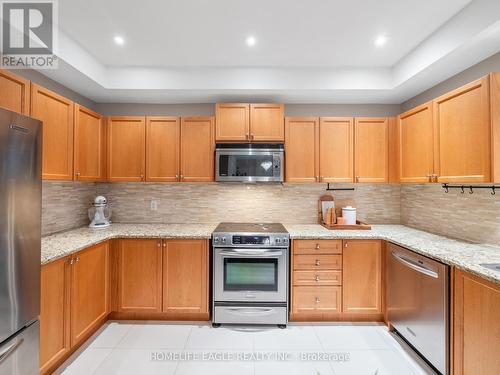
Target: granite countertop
59,245
461,254
464,255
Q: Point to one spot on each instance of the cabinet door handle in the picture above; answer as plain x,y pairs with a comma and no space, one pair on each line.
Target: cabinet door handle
357,178
77,259
317,300
317,247
317,262
159,243
77,174
181,177
142,177
317,278
164,244
251,136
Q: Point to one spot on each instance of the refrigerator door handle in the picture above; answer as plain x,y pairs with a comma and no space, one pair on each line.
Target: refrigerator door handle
11,348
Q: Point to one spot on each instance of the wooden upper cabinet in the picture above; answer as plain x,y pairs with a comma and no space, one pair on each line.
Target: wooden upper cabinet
495,125
463,139
371,147
185,276
139,275
14,92
162,149
89,145
266,122
362,277
336,149
476,327
57,114
197,149
89,291
54,313
232,122
301,149
416,144
126,148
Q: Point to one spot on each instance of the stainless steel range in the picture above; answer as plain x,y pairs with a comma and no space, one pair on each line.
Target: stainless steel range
250,274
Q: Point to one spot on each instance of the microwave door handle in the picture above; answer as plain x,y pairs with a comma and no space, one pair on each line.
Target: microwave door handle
264,253
415,266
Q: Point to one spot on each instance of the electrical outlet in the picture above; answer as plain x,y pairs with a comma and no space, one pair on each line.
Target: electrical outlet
154,205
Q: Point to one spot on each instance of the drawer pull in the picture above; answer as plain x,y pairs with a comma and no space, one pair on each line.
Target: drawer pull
317,300
317,278
317,246
317,262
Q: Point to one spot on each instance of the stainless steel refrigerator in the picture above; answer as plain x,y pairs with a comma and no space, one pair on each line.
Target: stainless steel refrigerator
20,236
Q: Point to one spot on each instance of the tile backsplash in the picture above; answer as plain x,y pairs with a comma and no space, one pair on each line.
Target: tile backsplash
65,204
288,203
470,217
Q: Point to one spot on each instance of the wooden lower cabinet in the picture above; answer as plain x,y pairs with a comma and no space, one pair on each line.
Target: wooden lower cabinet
89,291
476,327
139,275
311,302
362,277
54,313
185,277
336,280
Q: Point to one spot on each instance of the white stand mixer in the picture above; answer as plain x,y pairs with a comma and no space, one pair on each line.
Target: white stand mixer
100,214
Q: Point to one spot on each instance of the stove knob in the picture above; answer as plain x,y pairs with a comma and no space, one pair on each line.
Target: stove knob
223,239
216,239
278,240
285,239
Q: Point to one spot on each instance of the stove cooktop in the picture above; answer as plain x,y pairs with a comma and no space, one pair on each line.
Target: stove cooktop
254,228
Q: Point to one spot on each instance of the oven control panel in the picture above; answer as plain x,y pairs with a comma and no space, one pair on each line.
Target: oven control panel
220,239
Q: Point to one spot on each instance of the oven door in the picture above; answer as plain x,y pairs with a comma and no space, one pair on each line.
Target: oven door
249,165
250,275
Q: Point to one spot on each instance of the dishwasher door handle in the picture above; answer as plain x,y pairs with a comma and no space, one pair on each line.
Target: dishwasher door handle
414,265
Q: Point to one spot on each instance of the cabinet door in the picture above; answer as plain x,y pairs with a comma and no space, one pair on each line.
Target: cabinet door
336,149
462,120
371,150
89,291
139,275
476,327
266,122
90,145
416,145
56,112
232,122
362,276
126,148
54,313
185,276
301,149
162,149
14,92
197,149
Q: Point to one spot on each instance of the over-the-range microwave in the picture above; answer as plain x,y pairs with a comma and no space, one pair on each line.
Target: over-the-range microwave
249,162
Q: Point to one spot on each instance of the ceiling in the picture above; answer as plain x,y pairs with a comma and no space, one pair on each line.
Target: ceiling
306,51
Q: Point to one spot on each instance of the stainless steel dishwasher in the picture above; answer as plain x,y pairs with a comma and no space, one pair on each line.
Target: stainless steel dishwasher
418,304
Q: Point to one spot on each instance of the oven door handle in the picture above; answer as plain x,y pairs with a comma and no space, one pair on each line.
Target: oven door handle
250,311
245,253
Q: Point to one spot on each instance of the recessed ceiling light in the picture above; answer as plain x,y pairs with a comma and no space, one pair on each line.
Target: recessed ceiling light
119,40
251,41
380,41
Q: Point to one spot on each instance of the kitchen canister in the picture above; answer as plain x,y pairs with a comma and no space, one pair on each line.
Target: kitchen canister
349,215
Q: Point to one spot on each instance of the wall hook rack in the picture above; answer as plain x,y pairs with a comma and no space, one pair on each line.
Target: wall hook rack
337,189
471,188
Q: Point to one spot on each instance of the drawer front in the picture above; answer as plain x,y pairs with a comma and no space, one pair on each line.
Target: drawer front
317,262
310,247
318,277
323,299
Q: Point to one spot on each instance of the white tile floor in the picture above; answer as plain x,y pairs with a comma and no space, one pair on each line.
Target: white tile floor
127,347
